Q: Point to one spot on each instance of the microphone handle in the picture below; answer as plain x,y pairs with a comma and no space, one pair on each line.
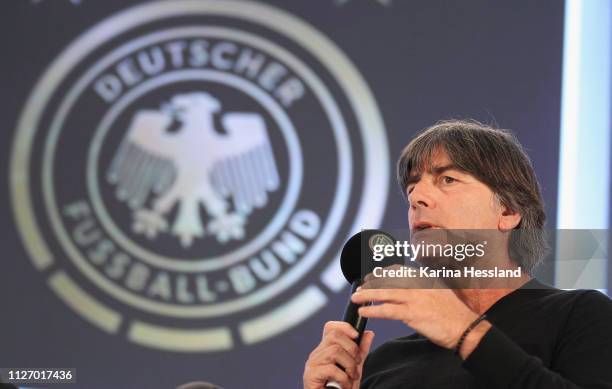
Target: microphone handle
351,316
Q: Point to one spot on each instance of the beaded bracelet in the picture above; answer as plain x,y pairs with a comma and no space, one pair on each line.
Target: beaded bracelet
467,331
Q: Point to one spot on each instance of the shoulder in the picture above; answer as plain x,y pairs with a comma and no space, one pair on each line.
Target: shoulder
589,308
585,326
580,301
584,344
591,297
569,300
539,315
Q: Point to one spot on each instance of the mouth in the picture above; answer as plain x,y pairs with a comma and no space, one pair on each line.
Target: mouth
420,226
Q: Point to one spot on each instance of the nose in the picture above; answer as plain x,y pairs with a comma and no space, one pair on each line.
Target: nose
420,196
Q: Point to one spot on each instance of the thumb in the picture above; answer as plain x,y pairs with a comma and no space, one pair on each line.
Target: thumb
366,343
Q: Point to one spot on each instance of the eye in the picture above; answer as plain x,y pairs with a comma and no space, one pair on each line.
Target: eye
448,179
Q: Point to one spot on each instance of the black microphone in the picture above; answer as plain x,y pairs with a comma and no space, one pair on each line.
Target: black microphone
356,261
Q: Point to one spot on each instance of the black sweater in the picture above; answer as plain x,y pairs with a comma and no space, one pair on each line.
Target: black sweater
542,338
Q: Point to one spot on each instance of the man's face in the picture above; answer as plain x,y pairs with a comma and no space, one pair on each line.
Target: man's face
448,198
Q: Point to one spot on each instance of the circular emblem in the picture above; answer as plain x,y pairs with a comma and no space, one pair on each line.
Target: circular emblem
185,173
380,239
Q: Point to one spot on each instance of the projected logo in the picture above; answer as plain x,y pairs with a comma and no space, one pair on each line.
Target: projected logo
178,155
185,173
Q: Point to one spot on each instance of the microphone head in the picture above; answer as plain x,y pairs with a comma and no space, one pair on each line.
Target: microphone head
357,257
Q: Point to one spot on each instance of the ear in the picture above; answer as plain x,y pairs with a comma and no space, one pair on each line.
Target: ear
508,219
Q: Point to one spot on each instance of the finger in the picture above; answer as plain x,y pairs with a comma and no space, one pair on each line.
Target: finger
335,355
341,326
382,311
340,338
379,295
366,344
334,373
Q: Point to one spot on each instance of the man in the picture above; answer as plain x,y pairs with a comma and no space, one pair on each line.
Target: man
465,175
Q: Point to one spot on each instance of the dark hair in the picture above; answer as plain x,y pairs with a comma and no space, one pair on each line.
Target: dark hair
497,159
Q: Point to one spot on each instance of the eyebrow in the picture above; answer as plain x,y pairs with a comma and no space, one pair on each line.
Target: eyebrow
436,171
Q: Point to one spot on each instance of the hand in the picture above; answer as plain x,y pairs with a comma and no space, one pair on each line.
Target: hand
337,347
438,314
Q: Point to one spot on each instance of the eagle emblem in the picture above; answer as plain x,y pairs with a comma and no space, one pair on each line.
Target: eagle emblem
175,156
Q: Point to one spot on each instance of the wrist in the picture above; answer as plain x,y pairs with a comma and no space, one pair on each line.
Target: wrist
473,338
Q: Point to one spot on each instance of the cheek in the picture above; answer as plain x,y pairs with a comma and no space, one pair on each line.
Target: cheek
477,214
